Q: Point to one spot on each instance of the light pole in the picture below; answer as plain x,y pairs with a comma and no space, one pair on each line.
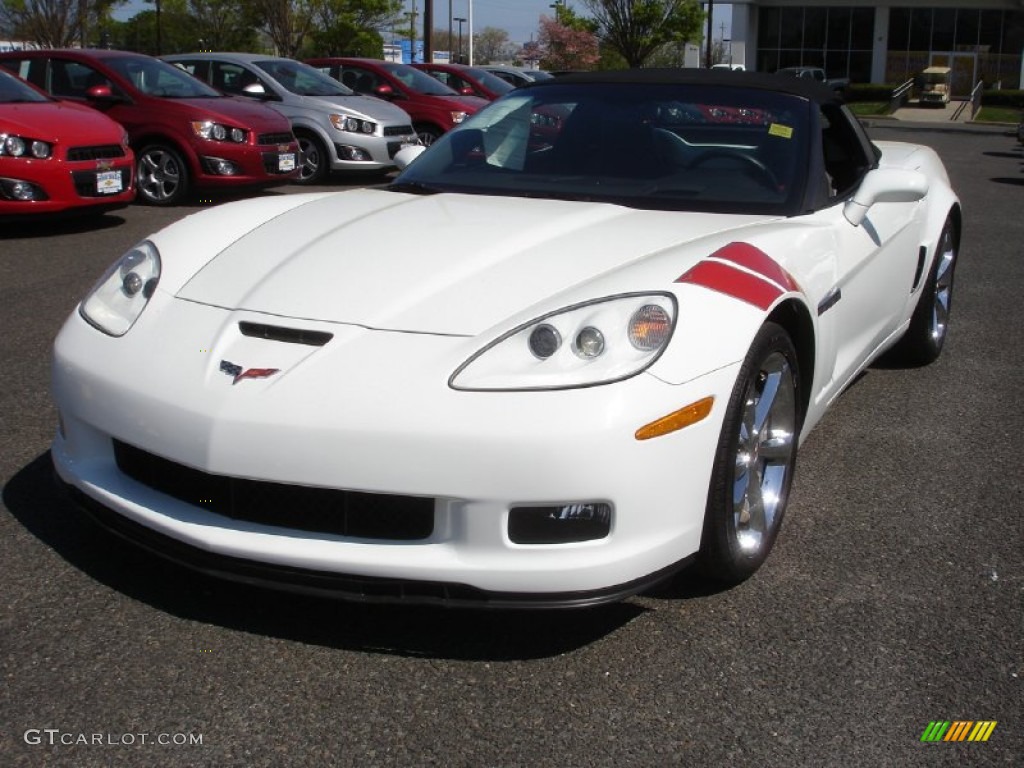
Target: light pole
460,22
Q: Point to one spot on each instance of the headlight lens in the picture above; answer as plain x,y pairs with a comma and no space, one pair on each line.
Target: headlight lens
593,343
353,124
118,298
18,146
458,117
211,131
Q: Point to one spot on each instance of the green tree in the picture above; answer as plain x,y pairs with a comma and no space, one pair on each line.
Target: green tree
490,45
55,23
223,25
639,28
350,27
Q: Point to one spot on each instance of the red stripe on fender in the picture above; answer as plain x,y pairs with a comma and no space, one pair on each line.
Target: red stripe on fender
758,261
733,282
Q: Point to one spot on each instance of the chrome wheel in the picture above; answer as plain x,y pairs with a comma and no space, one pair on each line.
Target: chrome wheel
427,135
162,176
764,454
754,461
943,292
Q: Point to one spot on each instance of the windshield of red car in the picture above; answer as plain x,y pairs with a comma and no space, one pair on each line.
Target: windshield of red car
418,81
158,78
14,91
662,146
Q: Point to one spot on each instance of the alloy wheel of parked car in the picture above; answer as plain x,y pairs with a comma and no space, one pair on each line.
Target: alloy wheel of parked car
315,161
923,341
755,460
428,134
162,175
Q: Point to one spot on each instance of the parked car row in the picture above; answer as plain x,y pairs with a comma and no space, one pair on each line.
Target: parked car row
194,122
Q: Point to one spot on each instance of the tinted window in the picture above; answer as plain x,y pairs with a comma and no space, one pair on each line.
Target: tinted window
158,78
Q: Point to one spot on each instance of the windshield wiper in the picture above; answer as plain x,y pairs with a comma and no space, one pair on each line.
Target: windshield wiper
413,187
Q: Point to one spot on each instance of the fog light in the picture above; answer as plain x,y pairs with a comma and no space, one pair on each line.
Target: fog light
220,166
14,189
560,524
352,153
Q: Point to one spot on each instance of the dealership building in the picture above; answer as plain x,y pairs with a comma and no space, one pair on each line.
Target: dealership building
884,41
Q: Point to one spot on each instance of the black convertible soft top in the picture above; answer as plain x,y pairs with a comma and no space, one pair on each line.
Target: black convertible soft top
808,89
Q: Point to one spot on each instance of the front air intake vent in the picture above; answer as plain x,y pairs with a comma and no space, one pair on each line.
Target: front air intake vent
287,335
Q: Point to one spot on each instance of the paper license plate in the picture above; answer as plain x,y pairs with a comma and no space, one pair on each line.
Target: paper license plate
286,162
108,182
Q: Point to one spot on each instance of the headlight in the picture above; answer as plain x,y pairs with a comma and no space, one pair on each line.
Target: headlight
352,124
118,298
593,343
458,117
17,146
211,131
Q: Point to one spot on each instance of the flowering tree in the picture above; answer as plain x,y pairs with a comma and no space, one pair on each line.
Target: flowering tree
566,48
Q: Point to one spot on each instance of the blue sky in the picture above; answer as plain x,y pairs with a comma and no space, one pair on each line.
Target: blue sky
518,17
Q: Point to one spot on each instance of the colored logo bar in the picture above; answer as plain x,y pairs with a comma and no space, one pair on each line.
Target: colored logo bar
958,730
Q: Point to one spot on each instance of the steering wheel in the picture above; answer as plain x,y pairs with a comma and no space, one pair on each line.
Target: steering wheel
763,172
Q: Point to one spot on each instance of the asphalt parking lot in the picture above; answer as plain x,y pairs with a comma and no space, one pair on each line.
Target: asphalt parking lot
894,597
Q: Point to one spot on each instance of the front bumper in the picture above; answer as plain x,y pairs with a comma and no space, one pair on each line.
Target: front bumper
371,412
380,150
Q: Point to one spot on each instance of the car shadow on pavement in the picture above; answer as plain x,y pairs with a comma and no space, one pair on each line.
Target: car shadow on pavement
48,227
34,499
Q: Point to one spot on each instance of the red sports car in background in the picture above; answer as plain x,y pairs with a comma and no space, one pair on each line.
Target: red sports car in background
57,157
469,81
185,134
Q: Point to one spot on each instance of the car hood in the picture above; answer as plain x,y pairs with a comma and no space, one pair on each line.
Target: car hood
366,107
445,264
63,122
240,110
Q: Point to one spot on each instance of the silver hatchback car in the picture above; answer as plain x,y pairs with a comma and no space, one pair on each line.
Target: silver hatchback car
337,129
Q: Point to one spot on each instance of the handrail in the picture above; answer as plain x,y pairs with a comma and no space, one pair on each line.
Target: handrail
976,98
899,96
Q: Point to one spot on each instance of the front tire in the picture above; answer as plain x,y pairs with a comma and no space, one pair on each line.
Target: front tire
428,134
161,175
754,461
922,343
315,160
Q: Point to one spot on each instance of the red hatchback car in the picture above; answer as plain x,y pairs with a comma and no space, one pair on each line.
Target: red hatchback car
185,134
433,106
469,81
58,157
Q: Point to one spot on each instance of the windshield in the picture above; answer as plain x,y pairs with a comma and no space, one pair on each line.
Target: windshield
662,146
490,81
303,79
158,78
418,81
12,91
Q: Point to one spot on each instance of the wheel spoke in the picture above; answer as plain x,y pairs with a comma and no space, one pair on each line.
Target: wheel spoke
777,448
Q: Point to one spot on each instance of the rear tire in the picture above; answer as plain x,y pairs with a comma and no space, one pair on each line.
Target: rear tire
754,461
922,343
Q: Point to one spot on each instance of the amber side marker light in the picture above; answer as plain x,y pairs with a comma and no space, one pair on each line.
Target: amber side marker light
676,420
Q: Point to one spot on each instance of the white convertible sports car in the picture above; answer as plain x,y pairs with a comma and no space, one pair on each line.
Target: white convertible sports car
571,348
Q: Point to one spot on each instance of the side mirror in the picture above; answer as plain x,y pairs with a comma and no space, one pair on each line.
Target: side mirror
885,185
385,91
467,91
255,91
405,156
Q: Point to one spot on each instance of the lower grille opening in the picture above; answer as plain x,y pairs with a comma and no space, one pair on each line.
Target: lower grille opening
320,510
560,524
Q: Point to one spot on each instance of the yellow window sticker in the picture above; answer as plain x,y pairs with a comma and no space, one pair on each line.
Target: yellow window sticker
782,131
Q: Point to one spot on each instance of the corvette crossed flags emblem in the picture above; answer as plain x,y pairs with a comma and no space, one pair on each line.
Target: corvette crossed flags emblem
249,373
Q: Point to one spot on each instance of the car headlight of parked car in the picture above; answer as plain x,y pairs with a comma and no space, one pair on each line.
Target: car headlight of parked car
19,146
118,298
458,117
207,129
596,342
352,124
